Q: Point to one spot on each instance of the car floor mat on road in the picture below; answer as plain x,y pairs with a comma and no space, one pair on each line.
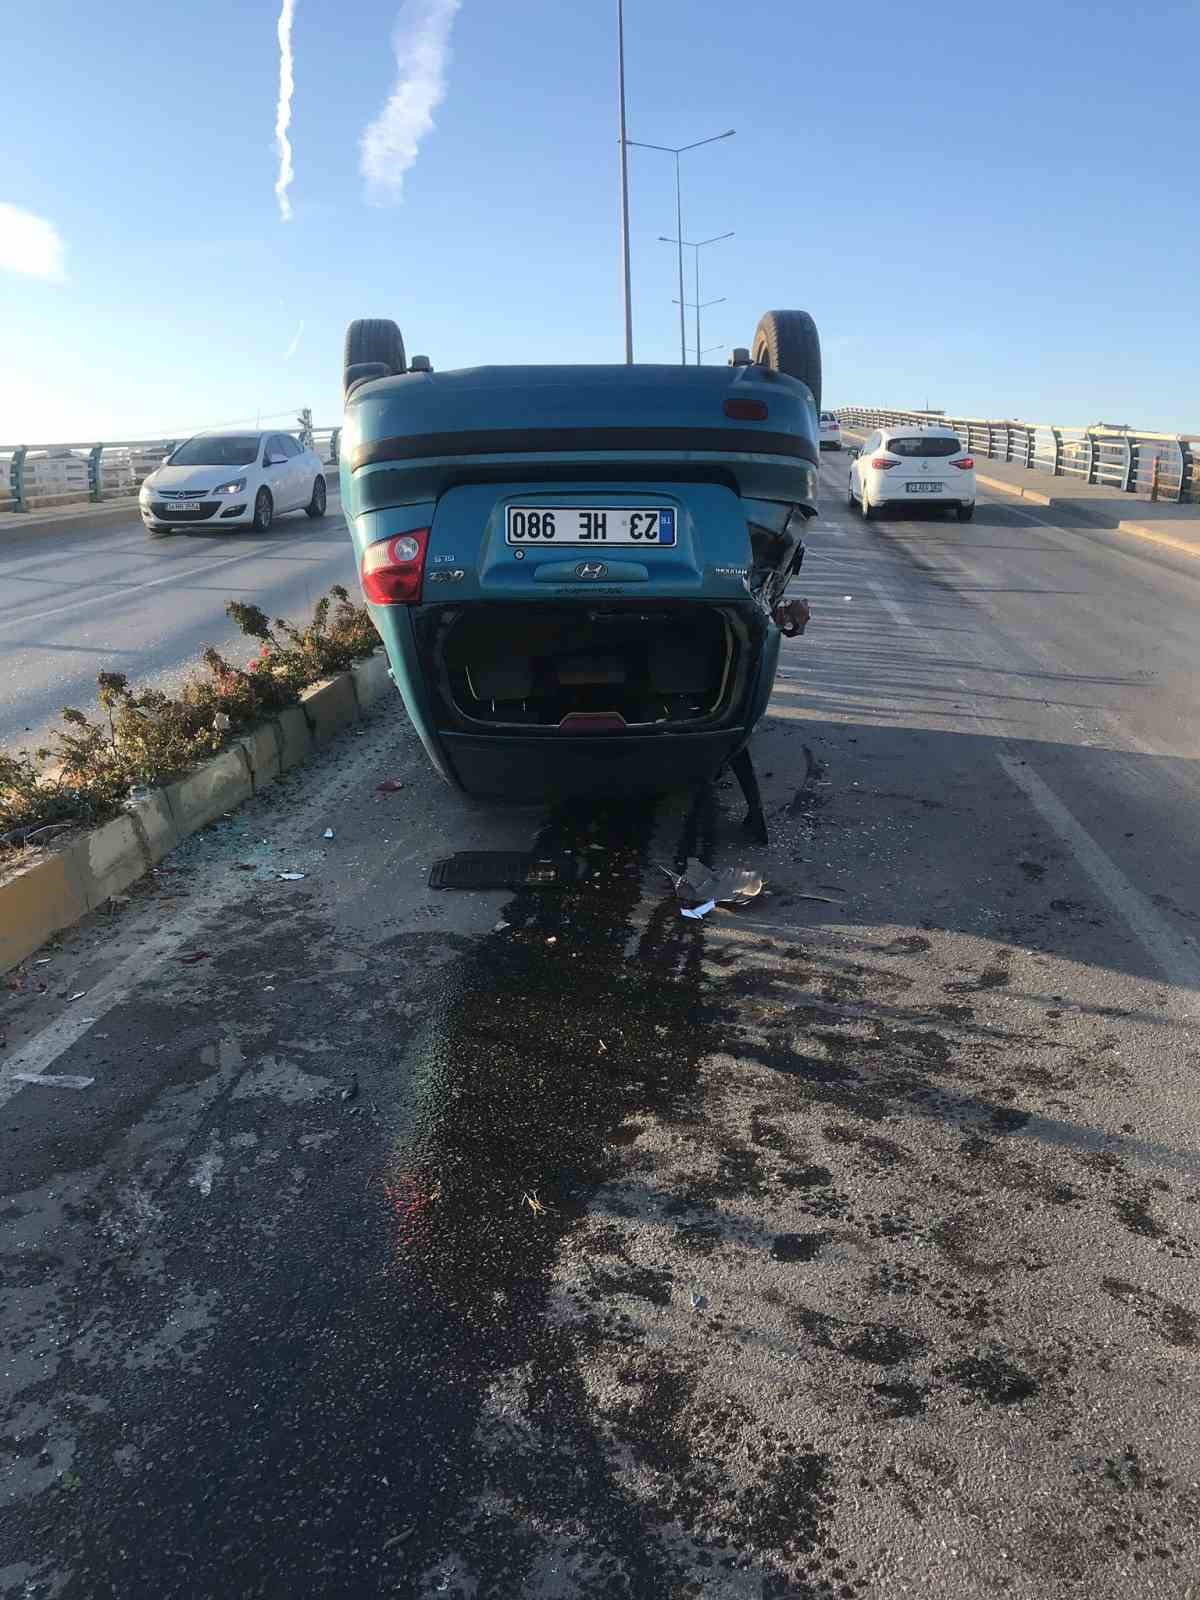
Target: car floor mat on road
501,869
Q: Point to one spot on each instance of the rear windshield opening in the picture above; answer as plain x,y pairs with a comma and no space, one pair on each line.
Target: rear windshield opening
531,669
925,445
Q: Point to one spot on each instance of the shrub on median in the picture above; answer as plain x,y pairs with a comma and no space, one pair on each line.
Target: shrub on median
151,737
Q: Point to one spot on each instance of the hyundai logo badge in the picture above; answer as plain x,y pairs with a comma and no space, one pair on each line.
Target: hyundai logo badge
591,569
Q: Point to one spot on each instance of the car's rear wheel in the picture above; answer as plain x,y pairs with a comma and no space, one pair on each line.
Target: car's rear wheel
316,506
850,500
964,513
264,511
374,349
788,342
868,510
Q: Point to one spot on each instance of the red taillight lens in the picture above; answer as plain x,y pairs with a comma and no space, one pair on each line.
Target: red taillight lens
746,410
882,463
964,463
392,569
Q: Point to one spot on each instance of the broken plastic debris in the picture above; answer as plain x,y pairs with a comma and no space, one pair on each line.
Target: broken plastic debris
51,1080
847,597
502,869
291,877
697,912
699,883
698,1301
193,956
222,722
328,834
350,1092
80,995
388,786
202,1178
500,927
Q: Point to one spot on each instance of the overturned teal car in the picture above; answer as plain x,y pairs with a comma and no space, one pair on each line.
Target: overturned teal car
578,572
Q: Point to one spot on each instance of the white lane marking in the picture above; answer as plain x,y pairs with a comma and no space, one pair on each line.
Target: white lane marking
46,1047
1151,931
183,927
119,594
1129,903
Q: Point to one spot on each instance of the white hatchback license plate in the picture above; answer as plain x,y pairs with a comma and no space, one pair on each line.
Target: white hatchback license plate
925,487
183,505
591,525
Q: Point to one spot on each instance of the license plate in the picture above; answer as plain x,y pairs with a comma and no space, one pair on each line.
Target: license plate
925,487
591,525
183,505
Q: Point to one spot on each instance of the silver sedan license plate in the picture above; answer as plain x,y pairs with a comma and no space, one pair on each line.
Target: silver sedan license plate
183,505
591,525
926,486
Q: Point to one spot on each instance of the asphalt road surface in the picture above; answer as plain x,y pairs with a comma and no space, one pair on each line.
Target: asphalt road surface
94,599
549,1245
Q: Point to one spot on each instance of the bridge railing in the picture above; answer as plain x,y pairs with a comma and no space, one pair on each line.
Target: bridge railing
1158,466
45,477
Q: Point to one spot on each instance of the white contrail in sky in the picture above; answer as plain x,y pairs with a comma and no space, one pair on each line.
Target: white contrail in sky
389,145
291,349
29,244
283,109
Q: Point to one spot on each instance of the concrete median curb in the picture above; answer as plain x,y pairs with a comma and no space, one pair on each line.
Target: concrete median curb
59,888
1017,490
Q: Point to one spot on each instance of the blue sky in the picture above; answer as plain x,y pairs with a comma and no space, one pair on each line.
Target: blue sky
992,212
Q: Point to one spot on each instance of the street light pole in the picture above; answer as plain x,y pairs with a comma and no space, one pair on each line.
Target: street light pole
677,151
679,232
698,309
697,245
624,184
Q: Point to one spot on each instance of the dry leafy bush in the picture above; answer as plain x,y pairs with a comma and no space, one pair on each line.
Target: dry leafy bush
150,737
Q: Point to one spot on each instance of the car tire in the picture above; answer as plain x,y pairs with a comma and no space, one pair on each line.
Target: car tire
869,512
316,506
788,342
264,511
965,513
374,349
850,500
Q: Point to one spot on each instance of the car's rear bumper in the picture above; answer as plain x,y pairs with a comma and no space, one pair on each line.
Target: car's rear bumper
939,502
531,769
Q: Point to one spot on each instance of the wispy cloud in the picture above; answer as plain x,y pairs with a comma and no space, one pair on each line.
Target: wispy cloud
291,349
29,244
389,146
283,108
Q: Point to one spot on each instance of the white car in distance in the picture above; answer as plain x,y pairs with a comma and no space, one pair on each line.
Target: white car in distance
907,466
830,436
233,480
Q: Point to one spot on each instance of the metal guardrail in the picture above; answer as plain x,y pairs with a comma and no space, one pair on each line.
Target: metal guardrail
46,476
1160,466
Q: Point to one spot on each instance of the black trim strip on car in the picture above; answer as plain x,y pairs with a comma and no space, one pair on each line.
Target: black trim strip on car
538,441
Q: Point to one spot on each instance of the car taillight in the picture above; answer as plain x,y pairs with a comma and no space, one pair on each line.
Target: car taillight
392,569
746,410
964,463
882,463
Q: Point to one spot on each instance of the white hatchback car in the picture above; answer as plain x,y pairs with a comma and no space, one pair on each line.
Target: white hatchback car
913,466
830,432
234,480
